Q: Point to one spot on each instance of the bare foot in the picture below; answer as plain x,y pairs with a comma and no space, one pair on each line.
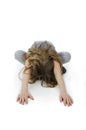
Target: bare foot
23,97
66,99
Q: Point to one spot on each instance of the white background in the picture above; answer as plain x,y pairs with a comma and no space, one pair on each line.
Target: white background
62,22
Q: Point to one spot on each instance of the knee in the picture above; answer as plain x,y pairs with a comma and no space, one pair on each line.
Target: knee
68,55
18,54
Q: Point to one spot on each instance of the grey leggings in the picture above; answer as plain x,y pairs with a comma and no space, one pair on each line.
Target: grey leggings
19,56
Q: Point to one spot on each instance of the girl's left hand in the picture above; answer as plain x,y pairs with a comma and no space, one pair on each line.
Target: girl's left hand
66,99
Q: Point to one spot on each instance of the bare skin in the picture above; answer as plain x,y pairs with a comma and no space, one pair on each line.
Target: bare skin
25,94
64,96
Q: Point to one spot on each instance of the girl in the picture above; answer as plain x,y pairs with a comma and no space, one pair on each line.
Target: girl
42,62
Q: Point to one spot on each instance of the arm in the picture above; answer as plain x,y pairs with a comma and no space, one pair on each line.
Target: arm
24,93
67,100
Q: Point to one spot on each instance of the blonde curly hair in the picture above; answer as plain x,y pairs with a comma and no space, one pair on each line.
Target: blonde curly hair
41,65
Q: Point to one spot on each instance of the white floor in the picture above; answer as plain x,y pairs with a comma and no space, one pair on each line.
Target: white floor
64,24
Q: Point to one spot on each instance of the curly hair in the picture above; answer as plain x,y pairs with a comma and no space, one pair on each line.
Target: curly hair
41,65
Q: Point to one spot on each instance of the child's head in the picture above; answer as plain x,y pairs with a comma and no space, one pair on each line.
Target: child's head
41,65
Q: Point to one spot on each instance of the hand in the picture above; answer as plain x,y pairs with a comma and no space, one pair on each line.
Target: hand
66,99
23,97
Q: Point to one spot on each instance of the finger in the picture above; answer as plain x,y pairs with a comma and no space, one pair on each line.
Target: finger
26,100
71,102
22,102
31,97
18,98
65,102
71,99
68,102
60,98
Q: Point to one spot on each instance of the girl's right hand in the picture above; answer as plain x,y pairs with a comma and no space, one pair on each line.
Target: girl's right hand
23,97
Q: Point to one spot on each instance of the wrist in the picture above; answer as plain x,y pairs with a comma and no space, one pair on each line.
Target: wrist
24,88
63,91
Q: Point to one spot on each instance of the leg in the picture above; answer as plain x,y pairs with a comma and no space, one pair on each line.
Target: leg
65,57
19,56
